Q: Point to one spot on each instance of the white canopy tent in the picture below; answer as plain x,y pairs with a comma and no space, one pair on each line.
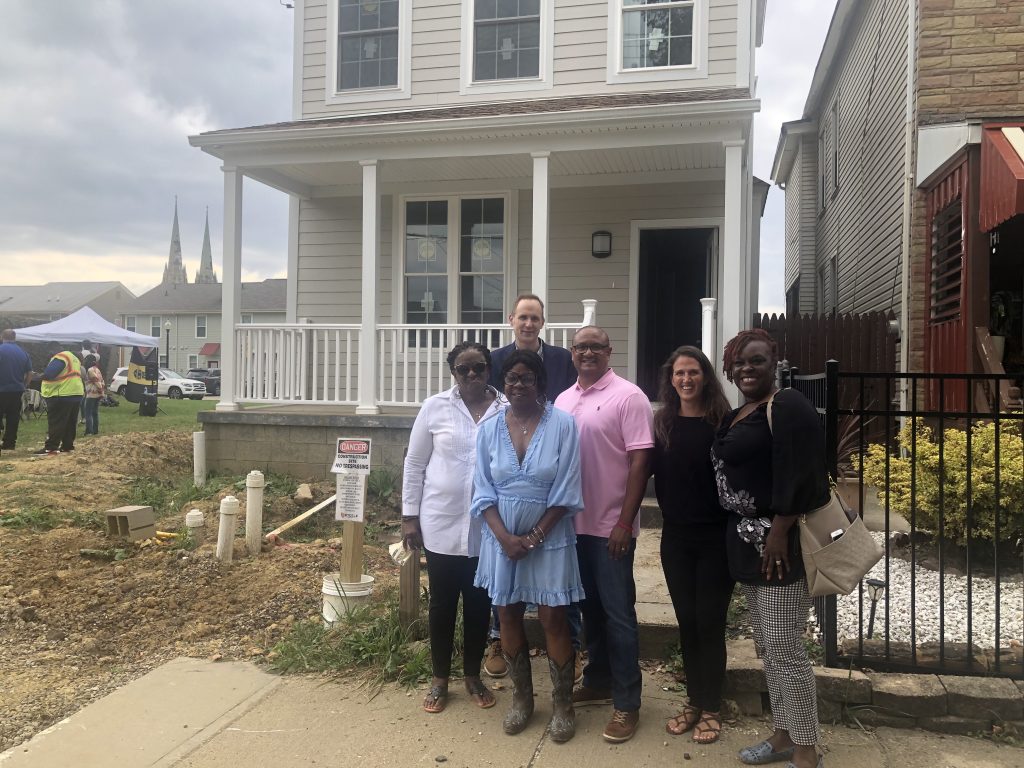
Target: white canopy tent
85,325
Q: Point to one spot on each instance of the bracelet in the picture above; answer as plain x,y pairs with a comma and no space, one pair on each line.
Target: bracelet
537,533
623,526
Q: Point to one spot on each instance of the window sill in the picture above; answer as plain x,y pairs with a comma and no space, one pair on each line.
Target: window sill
360,95
657,74
517,85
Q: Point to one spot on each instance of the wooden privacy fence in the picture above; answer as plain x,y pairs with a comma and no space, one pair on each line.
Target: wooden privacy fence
862,343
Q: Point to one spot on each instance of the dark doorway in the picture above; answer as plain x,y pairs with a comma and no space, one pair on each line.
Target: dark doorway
675,266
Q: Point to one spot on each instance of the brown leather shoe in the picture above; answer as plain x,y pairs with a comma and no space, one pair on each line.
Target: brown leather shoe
622,726
495,664
580,660
585,695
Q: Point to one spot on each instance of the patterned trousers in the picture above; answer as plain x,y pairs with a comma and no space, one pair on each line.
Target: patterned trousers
779,618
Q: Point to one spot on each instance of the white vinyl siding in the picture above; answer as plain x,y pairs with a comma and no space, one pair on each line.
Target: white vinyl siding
579,57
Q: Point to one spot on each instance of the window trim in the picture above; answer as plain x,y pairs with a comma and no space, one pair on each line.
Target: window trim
510,198
205,327
154,322
542,82
191,358
130,327
696,71
834,154
381,93
243,321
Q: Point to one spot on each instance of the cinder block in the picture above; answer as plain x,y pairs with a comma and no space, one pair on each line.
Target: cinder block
849,686
955,726
908,695
983,698
132,522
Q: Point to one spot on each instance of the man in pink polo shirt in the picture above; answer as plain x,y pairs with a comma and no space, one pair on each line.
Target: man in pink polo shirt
616,437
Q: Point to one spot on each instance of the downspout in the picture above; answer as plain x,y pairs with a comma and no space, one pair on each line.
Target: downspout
908,197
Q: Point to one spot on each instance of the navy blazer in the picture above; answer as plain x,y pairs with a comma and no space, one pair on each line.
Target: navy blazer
557,364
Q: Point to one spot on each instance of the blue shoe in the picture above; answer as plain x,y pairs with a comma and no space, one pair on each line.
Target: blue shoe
763,753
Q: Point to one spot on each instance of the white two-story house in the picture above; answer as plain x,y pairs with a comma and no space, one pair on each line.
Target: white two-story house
447,155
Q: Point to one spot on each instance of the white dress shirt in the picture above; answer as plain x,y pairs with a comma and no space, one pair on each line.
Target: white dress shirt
437,484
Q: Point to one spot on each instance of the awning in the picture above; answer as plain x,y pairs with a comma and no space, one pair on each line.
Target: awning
210,348
1002,174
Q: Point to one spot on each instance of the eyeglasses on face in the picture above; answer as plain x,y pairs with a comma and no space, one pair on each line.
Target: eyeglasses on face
582,349
478,368
525,379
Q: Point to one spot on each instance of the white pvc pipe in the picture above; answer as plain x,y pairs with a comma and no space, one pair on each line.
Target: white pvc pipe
254,511
196,524
707,329
226,533
199,459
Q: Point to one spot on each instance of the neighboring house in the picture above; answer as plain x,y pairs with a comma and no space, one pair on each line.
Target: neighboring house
904,178
187,319
35,304
447,155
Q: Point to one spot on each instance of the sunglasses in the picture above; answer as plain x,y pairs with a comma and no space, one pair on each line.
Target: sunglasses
477,368
582,349
526,379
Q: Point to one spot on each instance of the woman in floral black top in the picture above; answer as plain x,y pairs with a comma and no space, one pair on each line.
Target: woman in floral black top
767,475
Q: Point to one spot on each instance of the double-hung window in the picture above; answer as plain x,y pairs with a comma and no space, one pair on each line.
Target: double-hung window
455,261
200,327
507,45
657,40
368,50
129,323
154,326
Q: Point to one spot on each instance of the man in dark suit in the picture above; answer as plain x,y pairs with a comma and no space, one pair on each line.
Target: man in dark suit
527,320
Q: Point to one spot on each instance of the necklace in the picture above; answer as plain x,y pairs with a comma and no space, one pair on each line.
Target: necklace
476,415
524,425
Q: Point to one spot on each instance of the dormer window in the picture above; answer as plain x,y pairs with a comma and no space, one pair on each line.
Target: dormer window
506,39
369,52
657,40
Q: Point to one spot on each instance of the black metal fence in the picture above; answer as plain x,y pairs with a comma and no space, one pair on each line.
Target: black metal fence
945,490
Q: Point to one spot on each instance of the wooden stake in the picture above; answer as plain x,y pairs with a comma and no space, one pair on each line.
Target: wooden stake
296,520
352,552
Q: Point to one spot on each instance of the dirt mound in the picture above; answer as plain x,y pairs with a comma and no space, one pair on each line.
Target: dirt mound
72,627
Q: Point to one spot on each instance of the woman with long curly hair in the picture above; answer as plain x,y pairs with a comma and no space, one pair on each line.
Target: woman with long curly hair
693,535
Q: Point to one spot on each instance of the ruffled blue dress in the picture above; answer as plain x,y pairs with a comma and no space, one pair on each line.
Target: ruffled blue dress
549,476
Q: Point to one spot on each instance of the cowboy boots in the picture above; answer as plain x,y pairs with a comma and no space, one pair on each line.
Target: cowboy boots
522,693
563,720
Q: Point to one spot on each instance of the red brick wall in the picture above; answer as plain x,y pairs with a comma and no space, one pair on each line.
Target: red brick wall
970,57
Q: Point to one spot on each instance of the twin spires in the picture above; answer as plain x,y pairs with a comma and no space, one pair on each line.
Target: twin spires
174,271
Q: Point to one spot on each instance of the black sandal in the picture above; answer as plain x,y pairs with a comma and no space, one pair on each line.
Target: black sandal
436,699
482,697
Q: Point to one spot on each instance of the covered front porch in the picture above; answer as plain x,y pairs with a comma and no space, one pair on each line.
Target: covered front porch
412,231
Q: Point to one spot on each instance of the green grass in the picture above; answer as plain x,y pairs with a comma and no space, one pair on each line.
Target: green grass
370,640
168,495
177,414
34,518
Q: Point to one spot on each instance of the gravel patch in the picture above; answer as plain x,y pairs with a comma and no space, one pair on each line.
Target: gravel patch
926,610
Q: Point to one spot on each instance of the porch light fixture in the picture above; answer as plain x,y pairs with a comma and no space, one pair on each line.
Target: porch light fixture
601,244
876,589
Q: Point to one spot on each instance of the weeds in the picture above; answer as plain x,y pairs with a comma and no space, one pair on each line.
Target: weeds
370,639
44,519
381,484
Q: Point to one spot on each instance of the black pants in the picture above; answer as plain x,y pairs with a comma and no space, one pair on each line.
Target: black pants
697,574
450,576
10,417
61,422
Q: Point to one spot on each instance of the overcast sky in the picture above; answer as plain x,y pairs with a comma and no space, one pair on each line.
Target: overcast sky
97,99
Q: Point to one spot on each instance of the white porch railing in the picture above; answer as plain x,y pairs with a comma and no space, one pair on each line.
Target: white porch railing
319,363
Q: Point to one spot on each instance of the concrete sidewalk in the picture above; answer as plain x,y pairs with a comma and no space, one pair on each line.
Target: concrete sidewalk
198,714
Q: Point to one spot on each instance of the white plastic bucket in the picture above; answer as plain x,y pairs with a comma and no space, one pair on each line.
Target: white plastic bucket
341,598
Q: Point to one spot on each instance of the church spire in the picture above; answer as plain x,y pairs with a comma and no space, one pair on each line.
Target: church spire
174,272
206,273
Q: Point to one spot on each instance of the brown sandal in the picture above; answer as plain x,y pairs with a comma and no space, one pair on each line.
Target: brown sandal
684,721
708,728
482,697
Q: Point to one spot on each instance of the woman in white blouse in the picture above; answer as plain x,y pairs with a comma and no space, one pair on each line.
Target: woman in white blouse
436,493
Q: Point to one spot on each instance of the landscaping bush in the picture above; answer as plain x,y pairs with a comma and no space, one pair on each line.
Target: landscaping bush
954,478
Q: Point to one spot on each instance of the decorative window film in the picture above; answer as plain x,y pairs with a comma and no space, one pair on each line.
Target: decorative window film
426,262
482,261
506,39
657,34
367,44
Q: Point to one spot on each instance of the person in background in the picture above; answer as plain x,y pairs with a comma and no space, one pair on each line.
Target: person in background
693,553
770,469
63,390
527,490
15,373
614,420
527,321
95,389
437,489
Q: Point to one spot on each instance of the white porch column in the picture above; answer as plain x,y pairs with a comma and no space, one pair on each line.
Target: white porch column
733,283
368,330
540,224
231,288
708,342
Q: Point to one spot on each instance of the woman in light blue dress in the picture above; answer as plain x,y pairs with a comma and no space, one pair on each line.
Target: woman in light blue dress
527,488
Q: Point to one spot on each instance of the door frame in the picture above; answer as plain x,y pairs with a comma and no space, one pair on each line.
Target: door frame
635,227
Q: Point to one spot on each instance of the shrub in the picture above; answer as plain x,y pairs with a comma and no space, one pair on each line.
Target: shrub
954,478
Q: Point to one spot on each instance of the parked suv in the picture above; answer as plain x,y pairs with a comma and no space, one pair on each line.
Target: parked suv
209,376
170,384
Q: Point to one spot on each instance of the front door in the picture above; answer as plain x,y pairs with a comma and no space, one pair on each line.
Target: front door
676,266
